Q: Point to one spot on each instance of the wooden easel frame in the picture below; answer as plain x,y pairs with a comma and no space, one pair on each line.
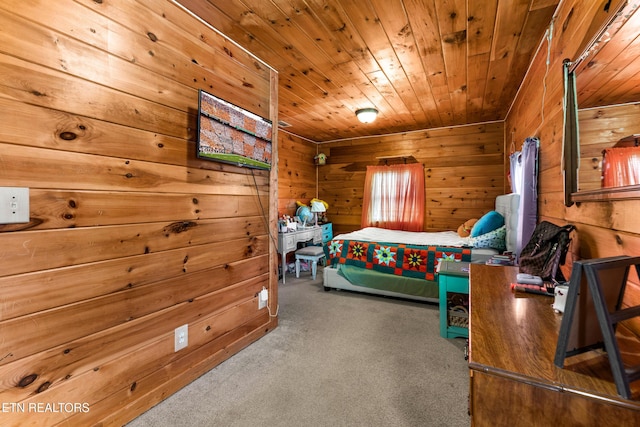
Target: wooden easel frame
601,299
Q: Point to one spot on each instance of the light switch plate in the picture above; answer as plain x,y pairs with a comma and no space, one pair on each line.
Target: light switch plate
14,205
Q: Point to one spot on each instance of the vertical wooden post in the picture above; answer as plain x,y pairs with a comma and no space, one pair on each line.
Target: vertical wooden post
273,200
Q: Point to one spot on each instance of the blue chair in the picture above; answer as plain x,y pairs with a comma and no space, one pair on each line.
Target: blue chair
313,254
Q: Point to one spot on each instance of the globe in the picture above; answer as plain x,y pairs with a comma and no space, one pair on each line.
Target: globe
305,214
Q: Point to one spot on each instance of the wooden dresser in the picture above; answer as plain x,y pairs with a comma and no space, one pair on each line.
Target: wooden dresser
512,343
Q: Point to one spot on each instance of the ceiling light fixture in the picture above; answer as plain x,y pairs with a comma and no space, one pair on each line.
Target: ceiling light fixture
367,115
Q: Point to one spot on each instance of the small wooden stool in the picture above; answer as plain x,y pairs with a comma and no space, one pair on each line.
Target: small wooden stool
309,253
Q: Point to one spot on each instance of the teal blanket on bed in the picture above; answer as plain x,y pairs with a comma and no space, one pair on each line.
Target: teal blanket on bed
392,258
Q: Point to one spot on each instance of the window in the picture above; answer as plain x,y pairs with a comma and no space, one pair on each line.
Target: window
394,197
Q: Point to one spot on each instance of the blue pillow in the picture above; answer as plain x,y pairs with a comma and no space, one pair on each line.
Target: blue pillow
490,221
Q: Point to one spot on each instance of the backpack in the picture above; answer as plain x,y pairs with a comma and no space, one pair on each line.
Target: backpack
546,251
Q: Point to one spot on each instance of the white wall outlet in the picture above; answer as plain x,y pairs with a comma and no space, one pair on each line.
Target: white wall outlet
14,205
263,298
181,339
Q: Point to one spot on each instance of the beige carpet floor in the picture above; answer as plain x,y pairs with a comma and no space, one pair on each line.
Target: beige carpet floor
336,359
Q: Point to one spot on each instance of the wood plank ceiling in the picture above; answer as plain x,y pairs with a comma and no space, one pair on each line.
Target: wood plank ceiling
421,63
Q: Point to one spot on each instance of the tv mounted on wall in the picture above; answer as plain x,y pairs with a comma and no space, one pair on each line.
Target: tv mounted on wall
230,134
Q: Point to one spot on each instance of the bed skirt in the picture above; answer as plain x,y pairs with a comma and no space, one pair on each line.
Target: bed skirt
332,279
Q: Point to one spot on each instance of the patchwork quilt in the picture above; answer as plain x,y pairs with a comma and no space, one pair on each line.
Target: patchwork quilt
393,258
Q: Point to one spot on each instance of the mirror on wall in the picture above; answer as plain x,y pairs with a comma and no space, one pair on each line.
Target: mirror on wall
606,132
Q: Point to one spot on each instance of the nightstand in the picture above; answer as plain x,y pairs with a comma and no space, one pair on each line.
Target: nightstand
327,232
453,284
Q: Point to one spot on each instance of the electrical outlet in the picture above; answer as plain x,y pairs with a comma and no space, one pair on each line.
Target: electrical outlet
14,205
263,298
181,339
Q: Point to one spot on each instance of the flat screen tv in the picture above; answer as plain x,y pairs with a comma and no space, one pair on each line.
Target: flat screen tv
230,134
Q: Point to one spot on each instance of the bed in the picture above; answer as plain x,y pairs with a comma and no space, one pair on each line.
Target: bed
404,264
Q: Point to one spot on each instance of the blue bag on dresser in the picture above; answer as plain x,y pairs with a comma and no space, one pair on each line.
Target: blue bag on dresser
546,251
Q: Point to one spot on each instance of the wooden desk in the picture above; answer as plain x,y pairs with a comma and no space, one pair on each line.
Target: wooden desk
512,342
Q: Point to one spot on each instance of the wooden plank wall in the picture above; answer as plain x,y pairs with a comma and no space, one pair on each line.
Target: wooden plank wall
297,179
604,228
463,172
130,236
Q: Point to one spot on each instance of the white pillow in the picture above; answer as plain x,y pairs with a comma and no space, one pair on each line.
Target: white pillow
507,205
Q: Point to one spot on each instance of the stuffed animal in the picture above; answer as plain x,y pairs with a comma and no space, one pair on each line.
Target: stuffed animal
465,229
